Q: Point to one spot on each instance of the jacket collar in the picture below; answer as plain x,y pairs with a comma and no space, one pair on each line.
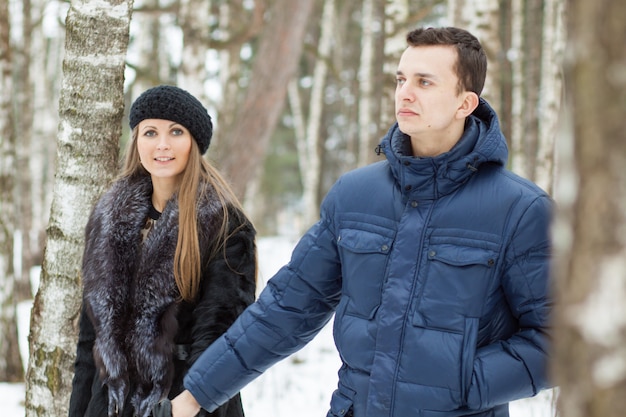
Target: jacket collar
430,178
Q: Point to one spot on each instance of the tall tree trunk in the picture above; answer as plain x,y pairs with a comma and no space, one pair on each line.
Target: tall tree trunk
366,122
90,110
309,151
590,318
242,147
147,60
23,122
551,89
45,61
537,38
230,70
10,363
482,19
193,18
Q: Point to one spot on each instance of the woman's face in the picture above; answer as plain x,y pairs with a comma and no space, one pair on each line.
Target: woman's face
164,147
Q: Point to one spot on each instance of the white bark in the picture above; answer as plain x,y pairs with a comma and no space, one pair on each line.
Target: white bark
310,162
90,110
47,52
9,355
145,52
366,122
519,162
194,15
550,97
482,19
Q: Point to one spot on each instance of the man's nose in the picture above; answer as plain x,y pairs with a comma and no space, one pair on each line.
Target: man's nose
405,92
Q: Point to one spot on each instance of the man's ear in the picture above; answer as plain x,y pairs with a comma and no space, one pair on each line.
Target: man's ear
468,105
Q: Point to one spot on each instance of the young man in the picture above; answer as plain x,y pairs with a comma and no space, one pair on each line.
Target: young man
435,263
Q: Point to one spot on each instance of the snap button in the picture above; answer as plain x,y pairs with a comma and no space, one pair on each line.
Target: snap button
384,248
414,204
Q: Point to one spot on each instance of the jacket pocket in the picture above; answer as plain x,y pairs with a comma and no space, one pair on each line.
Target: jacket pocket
456,281
470,341
364,255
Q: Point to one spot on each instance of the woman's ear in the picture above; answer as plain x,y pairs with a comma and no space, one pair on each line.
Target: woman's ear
468,105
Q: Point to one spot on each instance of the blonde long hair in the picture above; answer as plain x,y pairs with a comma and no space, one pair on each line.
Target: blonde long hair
187,259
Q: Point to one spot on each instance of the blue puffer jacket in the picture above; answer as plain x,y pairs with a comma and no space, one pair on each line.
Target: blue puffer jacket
437,271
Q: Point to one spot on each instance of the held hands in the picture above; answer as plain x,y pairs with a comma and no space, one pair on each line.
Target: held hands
184,405
162,409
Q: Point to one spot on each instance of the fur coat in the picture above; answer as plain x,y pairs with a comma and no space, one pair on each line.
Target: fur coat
137,339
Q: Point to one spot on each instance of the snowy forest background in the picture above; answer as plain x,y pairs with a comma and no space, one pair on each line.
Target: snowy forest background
300,92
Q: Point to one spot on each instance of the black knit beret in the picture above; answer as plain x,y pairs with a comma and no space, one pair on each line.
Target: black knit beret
172,103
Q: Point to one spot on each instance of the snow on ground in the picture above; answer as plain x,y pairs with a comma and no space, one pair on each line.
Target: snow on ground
302,383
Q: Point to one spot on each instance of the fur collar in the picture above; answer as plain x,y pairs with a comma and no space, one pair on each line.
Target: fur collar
130,292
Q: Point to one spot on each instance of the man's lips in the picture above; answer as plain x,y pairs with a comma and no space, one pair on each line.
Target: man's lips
406,112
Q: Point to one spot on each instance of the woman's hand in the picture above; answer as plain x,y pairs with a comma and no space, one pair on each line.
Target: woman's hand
185,405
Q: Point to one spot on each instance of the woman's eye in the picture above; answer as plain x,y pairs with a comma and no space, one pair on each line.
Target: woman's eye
149,133
177,132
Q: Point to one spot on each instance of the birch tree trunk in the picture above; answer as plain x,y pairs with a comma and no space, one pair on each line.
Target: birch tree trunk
10,363
23,119
309,151
516,55
90,111
590,318
482,19
550,92
193,18
366,121
537,39
147,52
45,61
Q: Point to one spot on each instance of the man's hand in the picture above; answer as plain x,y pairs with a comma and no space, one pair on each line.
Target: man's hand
185,405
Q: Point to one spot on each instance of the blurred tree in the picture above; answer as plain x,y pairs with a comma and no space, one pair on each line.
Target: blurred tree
10,363
90,111
340,107
23,121
371,91
242,145
590,318
524,42
484,20
309,140
46,54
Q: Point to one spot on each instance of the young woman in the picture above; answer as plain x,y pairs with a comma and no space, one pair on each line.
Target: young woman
169,263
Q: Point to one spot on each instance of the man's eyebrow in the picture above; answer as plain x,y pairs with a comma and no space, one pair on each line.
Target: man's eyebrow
419,74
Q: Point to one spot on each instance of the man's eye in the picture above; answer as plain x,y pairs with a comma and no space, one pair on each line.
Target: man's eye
425,82
400,81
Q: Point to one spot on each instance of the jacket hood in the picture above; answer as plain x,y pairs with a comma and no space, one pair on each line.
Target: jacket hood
430,178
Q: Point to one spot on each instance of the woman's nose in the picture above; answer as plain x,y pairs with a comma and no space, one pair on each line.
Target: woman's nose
163,143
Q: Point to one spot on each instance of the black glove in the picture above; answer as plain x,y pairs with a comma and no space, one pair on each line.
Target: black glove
162,409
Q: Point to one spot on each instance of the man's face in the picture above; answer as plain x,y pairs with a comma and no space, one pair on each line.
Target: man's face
427,100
